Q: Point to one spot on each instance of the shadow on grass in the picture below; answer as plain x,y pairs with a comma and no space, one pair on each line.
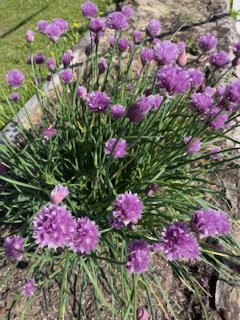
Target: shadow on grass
23,22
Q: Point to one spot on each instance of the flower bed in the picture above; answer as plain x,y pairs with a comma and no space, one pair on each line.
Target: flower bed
117,172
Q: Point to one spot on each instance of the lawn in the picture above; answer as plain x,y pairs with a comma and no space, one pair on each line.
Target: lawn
18,16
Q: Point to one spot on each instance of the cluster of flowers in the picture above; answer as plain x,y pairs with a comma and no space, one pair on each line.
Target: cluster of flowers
177,241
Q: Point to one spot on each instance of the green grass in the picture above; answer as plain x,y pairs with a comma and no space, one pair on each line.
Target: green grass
16,16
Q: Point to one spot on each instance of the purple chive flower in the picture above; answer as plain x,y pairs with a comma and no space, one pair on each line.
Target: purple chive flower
102,66
137,36
216,153
181,47
29,36
219,59
117,150
178,242
147,55
165,52
112,41
49,132
14,96
58,194
117,20
88,50
14,247
150,190
138,110
53,227
233,91
127,209
29,288
97,24
54,32
98,101
202,102
66,76
219,119
193,145
236,49
82,92
39,58
154,28
182,57
67,58
85,237
42,26
14,78
118,111
207,42
142,314
196,76
127,11
210,223
138,257
154,101
61,24
123,44
173,79
89,9
50,64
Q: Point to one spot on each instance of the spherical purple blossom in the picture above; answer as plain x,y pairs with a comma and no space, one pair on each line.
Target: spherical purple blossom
117,20
138,257
127,11
207,42
138,110
236,49
14,78
58,194
220,119
67,58
49,132
66,75
14,247
29,288
178,242
42,26
14,96
142,314
54,32
53,227
98,101
154,101
123,44
82,92
39,58
202,102
154,28
210,223
219,59
29,36
89,9
127,209
118,111
193,145
97,24
147,55
165,52
137,36
196,76
117,150
50,64
173,79
61,24
232,91
85,237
